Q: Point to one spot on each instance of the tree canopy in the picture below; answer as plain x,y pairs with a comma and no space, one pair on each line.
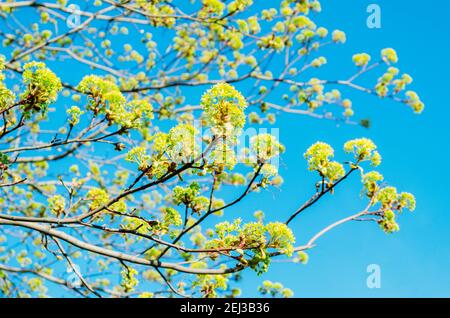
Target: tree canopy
126,124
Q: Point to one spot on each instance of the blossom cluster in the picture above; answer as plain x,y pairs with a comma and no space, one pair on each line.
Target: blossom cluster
223,108
42,87
106,98
7,97
254,236
319,159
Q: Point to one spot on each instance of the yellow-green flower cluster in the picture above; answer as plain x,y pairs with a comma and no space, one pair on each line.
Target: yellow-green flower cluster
233,178
280,236
387,196
279,27
189,196
139,111
272,42
318,155
334,171
224,107
302,22
6,96
171,217
339,36
74,112
382,87
212,8
160,13
36,285
322,32
42,87
222,156
275,289
239,5
389,55
57,205
266,146
209,284
139,156
391,201
361,59
414,101
318,62
139,225
319,159
370,182
106,98
347,104
301,257
129,280
306,6
185,195
253,25
181,144
388,223
268,171
313,95
185,45
256,237
364,149
101,90
98,198
304,36
268,14
407,200
168,150
401,83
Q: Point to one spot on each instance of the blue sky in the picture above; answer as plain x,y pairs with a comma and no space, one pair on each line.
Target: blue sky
414,262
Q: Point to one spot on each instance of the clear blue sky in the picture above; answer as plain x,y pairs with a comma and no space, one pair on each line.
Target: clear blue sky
414,262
